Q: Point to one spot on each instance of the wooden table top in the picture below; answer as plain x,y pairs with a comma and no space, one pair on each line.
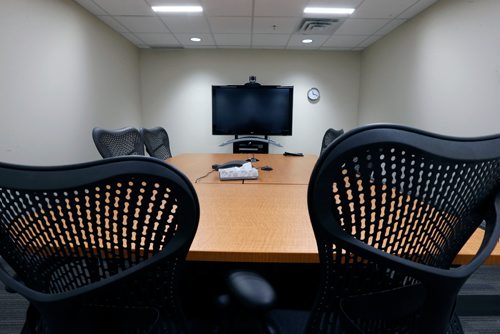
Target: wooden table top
286,169
263,220
472,246
253,223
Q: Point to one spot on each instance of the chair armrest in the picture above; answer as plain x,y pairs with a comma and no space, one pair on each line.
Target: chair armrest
3,266
423,271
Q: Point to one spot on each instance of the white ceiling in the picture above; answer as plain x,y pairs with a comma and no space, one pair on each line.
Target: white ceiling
271,24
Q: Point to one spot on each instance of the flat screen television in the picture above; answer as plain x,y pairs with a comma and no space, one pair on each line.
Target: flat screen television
252,110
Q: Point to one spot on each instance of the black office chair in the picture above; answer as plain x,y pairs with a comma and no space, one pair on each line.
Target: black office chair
114,143
329,136
97,247
157,143
391,207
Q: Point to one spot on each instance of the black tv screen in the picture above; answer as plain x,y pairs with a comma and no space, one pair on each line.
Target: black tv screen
252,110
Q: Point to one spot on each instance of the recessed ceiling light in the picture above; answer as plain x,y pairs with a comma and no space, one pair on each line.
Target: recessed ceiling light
307,41
177,9
195,39
326,10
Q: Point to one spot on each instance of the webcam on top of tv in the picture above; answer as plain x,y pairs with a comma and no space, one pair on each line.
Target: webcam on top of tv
252,81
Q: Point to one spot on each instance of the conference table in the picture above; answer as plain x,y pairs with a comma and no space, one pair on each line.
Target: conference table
263,220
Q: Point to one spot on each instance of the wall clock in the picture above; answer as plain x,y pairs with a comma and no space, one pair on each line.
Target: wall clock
313,94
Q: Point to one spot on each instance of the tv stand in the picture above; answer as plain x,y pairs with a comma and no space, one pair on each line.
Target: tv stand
250,138
250,144
250,147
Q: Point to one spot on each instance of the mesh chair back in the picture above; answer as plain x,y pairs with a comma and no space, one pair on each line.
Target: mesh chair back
329,136
114,143
391,207
104,236
157,143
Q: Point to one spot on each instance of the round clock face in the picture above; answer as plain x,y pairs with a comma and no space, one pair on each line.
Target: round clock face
313,94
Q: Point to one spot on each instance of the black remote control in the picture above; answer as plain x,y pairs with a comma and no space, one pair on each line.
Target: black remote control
294,154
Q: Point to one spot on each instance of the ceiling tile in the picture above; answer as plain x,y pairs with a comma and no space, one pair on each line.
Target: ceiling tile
417,8
230,25
368,41
125,7
266,40
233,47
110,21
252,23
174,2
208,47
382,9
344,41
275,25
186,24
142,23
323,48
233,39
131,37
291,8
158,39
206,39
296,41
91,7
390,26
227,7
335,3
361,26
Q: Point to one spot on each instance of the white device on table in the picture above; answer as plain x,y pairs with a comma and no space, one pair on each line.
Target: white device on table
245,172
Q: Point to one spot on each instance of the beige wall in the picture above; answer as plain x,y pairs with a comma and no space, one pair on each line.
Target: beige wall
440,71
176,92
62,72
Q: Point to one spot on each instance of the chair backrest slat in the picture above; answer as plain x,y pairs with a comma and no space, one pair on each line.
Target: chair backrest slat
157,142
72,229
413,195
114,143
329,136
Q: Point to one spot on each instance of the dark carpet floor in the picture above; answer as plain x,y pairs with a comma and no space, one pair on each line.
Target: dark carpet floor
485,282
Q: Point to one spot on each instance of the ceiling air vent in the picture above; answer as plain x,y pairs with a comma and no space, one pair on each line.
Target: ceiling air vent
319,26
